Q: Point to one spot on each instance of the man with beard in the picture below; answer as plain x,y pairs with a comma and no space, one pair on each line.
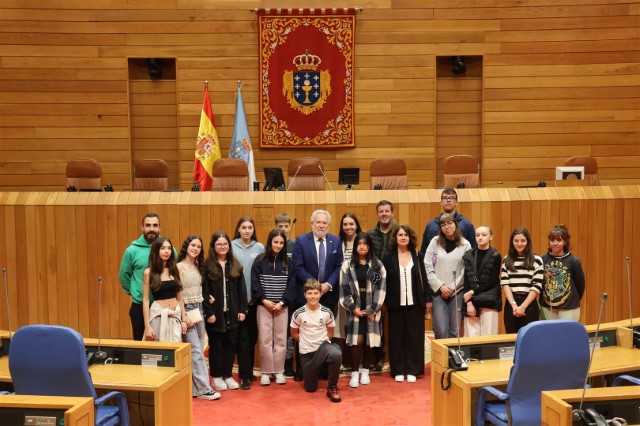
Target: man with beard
380,239
448,201
134,261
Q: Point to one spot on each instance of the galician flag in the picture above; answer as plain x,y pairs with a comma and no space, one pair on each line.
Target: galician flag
240,141
207,145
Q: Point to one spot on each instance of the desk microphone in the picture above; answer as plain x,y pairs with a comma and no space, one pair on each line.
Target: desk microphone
627,260
463,365
579,414
100,355
6,295
325,177
294,177
635,340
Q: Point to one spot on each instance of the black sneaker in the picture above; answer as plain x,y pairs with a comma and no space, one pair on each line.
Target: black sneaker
253,378
245,384
288,368
378,366
333,394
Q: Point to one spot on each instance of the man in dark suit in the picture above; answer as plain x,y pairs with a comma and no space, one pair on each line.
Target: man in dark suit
318,255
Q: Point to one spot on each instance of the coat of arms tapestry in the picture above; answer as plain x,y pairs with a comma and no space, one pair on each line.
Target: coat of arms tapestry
306,78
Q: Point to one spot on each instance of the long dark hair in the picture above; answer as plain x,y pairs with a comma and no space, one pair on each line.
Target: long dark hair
212,266
457,236
183,252
529,259
269,253
156,265
371,257
242,220
341,234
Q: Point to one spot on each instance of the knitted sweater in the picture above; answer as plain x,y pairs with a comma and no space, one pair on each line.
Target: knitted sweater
441,266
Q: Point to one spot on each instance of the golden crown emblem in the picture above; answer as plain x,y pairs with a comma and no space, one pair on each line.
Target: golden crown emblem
307,61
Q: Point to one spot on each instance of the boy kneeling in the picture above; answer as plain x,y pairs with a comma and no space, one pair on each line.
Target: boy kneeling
312,327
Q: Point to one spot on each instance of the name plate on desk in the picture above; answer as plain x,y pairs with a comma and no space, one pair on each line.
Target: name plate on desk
150,360
593,342
506,352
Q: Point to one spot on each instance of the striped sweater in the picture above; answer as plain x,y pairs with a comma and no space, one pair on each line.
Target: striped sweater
522,280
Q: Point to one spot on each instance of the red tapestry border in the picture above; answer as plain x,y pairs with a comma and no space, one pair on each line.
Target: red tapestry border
306,78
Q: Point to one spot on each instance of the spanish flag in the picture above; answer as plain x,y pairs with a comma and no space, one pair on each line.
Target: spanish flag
207,145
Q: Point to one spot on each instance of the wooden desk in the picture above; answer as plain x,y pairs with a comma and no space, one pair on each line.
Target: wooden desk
557,410
165,390
78,411
495,372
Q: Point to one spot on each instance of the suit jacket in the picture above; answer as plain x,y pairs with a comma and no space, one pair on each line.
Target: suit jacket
421,293
305,263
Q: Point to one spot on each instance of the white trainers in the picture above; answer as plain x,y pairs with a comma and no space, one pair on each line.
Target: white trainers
231,383
210,396
411,379
265,380
399,378
281,379
219,384
364,376
355,379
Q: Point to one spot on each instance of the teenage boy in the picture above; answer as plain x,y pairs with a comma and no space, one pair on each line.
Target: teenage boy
283,222
312,326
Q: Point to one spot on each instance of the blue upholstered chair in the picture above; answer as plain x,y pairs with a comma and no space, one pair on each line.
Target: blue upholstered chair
618,381
51,360
549,355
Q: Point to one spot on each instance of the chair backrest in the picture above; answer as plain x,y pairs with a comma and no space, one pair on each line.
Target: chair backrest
590,168
49,360
458,169
306,174
549,355
390,173
84,173
151,175
230,174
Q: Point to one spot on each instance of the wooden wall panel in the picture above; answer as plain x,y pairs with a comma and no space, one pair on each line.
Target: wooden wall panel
55,245
558,78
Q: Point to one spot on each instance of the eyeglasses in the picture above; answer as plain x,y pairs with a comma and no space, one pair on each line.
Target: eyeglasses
443,224
449,198
222,244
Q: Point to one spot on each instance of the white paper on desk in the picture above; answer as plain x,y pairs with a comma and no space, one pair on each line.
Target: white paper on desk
150,360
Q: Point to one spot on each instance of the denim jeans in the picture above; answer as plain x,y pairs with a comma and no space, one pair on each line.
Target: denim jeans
195,336
445,323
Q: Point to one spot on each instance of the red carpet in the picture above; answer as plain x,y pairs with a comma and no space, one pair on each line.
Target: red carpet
383,402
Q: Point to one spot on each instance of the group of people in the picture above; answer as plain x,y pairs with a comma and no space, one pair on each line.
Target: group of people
322,295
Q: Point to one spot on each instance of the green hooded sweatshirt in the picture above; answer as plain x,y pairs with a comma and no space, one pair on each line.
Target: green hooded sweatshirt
134,261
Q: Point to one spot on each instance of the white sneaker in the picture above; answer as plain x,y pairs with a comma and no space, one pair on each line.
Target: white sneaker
219,384
210,396
399,378
265,380
281,379
231,383
411,379
364,376
355,379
